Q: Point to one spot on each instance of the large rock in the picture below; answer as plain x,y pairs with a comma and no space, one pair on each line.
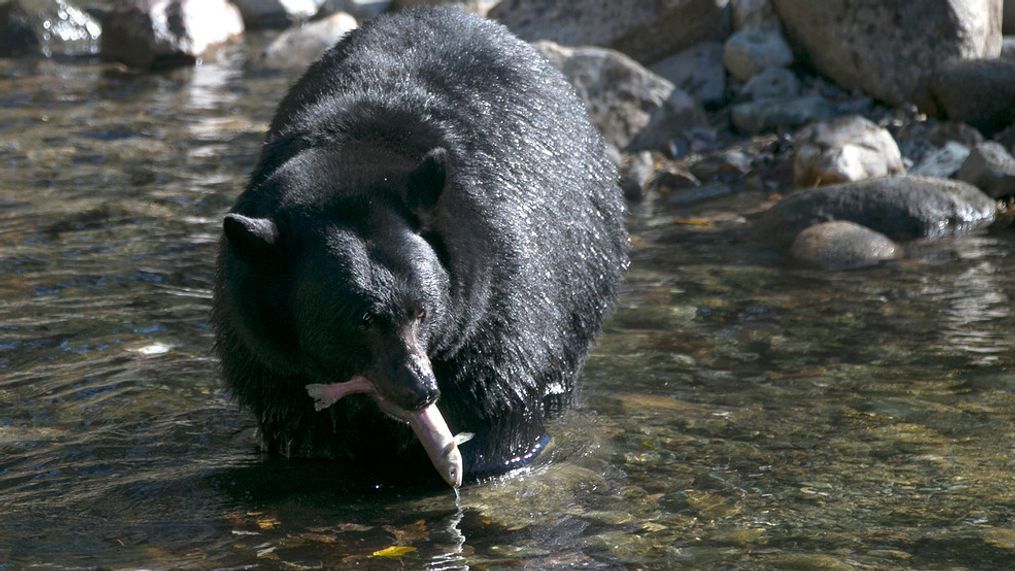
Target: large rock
164,33
697,70
888,47
842,245
978,92
749,52
633,108
276,13
47,27
295,48
843,150
646,31
902,208
990,168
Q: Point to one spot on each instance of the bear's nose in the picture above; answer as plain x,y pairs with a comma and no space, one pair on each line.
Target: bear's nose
418,387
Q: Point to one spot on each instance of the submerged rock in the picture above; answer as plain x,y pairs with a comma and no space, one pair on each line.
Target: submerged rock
888,48
990,168
979,92
633,108
295,49
165,33
843,150
645,31
47,27
902,208
842,245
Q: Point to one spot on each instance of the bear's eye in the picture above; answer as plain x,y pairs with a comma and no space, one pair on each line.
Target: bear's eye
365,322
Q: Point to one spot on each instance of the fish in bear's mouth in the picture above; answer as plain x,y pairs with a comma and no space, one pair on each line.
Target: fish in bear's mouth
427,423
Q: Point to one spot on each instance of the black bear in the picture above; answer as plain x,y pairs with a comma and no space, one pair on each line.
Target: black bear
433,221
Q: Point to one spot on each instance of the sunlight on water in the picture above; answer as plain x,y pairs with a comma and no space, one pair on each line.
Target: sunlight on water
736,414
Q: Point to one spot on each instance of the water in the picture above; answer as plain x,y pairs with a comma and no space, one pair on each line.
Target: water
738,413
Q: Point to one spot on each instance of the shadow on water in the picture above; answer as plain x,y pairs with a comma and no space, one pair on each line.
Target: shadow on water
738,412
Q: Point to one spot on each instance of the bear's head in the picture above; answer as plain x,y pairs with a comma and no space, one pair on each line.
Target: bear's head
331,273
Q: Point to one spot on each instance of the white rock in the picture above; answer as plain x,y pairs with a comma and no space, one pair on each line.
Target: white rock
843,150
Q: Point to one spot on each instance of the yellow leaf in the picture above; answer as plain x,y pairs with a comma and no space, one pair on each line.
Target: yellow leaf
393,551
267,523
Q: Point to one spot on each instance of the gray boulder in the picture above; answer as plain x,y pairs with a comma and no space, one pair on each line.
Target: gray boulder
772,83
276,13
888,48
902,208
990,168
978,92
47,27
164,33
843,150
646,31
842,245
633,108
756,117
697,70
296,48
749,52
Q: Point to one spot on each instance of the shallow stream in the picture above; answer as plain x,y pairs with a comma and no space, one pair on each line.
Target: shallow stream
738,413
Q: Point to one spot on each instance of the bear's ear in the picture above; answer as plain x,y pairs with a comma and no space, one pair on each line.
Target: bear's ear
251,238
426,182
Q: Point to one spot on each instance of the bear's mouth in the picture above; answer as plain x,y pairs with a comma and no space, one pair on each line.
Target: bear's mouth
427,424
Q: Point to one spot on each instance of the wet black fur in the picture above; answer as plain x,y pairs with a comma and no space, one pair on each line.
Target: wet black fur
517,256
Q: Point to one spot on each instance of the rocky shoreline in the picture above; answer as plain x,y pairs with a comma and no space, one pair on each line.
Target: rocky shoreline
865,124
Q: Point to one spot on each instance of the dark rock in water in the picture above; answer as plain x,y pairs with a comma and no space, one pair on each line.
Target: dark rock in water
646,31
842,245
902,208
153,34
990,168
633,108
770,114
276,13
979,92
889,47
47,27
296,48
